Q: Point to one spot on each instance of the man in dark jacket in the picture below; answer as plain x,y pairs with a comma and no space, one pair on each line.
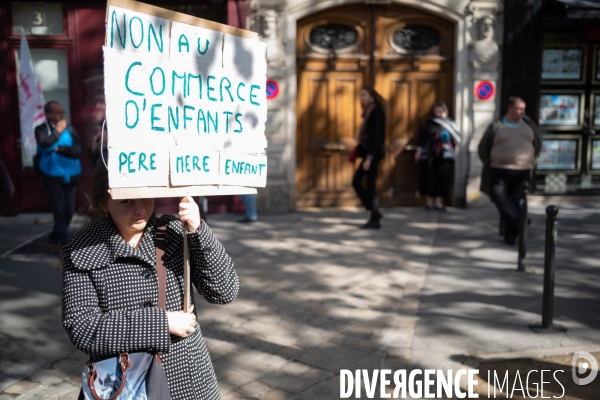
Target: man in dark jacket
508,150
61,171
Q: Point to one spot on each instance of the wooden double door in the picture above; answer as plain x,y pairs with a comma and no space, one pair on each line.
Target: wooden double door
406,54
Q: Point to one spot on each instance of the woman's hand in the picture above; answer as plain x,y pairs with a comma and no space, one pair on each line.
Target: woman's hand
366,164
181,324
189,213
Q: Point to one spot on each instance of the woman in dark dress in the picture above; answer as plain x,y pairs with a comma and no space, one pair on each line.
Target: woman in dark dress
435,155
371,149
110,288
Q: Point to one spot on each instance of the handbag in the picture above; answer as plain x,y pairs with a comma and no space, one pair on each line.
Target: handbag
132,376
353,156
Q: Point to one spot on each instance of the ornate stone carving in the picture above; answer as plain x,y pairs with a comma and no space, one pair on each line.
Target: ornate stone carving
265,21
478,9
416,38
485,52
333,36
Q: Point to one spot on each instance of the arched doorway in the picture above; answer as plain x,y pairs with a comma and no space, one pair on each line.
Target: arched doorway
406,54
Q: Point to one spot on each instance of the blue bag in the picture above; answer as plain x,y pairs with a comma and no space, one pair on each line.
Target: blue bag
56,165
448,152
134,376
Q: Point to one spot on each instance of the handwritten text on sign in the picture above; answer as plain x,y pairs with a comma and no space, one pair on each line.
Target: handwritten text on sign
185,105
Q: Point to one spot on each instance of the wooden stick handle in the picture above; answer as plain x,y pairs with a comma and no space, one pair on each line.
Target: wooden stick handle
186,271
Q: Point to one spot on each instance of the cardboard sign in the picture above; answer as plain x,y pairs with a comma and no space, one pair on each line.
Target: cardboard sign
186,104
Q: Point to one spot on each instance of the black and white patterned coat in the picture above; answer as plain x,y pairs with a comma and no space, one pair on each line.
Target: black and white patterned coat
110,293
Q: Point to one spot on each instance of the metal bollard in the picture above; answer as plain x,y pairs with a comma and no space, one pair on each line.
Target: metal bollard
547,325
523,226
549,263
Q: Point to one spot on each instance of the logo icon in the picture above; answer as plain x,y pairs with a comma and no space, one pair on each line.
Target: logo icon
579,368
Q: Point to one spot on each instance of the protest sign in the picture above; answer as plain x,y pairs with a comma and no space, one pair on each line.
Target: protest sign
186,104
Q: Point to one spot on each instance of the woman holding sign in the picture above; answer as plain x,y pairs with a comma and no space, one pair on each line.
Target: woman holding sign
111,280
371,149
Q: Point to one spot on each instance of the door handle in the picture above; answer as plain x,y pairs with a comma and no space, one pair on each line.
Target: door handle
18,144
333,147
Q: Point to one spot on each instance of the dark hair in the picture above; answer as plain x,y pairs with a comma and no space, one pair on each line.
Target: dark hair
99,190
441,105
512,100
48,106
379,100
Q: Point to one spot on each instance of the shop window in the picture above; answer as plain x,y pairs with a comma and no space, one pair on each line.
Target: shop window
37,18
333,36
51,68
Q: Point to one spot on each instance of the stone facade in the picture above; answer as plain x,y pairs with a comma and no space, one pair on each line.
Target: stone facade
266,18
477,57
486,31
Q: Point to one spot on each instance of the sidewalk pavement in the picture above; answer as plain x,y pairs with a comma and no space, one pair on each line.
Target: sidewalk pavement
428,290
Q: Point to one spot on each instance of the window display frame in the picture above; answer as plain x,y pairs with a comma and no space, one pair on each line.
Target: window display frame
577,169
565,81
593,95
591,140
580,111
596,66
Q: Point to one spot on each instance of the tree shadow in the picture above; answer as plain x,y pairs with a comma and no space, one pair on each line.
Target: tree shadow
316,293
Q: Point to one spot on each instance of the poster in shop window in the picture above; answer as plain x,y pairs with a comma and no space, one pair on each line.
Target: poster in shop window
558,155
185,104
560,109
562,64
596,109
595,154
597,64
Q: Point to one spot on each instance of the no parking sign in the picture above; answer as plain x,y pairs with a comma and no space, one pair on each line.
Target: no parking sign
272,89
484,90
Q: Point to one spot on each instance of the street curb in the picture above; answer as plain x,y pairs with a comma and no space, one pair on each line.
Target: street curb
41,219
540,200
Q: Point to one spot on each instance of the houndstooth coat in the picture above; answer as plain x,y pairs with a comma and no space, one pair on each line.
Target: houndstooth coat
110,293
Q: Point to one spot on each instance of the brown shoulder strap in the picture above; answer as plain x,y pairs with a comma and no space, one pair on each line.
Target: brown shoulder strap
160,236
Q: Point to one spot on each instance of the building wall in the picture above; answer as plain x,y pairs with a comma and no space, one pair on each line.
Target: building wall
276,21
82,39
477,57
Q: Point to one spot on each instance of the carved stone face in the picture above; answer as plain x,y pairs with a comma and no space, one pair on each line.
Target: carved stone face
486,28
269,24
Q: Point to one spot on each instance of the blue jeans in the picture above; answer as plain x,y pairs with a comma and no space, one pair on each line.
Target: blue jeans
506,193
249,201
